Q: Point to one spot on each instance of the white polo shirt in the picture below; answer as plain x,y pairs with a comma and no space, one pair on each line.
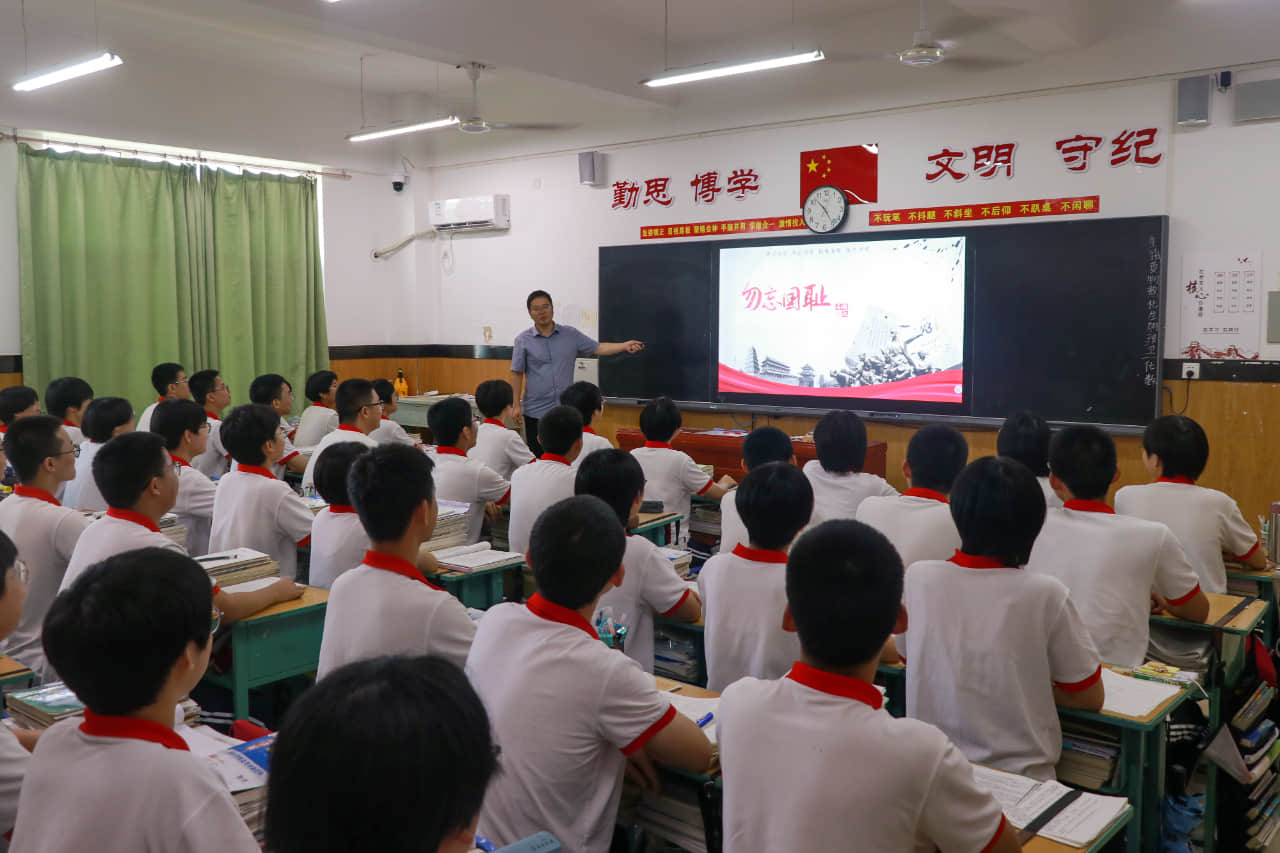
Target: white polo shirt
567,711
143,423
1207,523
458,477
838,495
255,510
500,448
815,756
984,649
670,476
388,432
344,432
649,585
214,462
1110,563
118,531
338,543
1051,499
82,492
73,432
535,487
194,508
45,534
318,420
134,785
918,523
14,759
744,594
384,606
591,442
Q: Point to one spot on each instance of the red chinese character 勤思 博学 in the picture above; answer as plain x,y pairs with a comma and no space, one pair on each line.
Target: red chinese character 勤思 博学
944,160
1076,150
1129,144
655,191
988,160
625,194
741,182
706,186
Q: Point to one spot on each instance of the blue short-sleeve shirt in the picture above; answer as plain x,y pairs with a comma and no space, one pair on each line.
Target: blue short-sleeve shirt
547,365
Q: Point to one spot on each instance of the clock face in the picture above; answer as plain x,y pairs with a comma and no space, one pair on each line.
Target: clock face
825,209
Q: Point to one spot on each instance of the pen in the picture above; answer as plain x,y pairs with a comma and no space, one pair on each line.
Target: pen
702,723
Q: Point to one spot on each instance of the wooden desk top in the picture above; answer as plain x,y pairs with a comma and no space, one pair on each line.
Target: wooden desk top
1239,570
1219,606
650,520
666,685
10,667
311,597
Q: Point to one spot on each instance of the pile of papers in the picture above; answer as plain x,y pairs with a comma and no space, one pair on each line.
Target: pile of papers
238,565
315,504
1089,754
681,559
170,527
41,707
469,558
241,765
1024,800
451,526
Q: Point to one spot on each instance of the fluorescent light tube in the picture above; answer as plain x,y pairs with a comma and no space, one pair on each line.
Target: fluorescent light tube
710,72
408,128
98,63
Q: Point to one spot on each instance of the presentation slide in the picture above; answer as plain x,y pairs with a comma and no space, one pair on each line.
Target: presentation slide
880,320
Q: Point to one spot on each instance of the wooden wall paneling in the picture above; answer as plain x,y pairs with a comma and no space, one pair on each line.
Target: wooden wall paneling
8,380
373,368
461,375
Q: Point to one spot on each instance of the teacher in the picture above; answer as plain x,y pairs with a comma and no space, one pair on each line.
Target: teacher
542,364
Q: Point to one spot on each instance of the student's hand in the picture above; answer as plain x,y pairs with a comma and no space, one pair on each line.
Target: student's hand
727,482
427,562
285,589
1158,602
640,770
492,511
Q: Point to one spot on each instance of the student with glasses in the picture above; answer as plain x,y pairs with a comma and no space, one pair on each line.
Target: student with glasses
170,381
359,413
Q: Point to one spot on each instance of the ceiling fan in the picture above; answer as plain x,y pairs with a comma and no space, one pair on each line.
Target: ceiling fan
925,50
476,124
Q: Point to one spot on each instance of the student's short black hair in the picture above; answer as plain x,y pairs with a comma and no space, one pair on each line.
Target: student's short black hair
1180,443
385,389
173,419
612,475
841,441
142,606
775,502
585,397
575,547
936,454
103,415
126,465
332,468
386,484
202,383
528,303
15,399
559,429
165,374
267,387
844,585
1025,436
8,557
352,396
29,442
245,429
998,508
660,419
409,734
766,444
319,383
447,419
494,395
1084,458
66,393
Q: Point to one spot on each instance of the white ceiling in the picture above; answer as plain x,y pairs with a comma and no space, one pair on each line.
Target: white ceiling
580,61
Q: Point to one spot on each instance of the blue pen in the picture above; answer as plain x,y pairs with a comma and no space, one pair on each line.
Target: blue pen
485,844
703,722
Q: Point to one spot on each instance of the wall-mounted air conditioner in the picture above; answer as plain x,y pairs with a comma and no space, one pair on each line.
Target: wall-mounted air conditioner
479,213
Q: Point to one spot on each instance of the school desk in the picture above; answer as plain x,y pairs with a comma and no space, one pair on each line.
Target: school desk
693,633
272,645
13,675
1266,581
656,526
480,588
411,412
724,452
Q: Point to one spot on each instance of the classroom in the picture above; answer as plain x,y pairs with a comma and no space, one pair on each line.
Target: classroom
934,213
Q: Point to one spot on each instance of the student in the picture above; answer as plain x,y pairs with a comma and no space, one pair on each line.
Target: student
44,531
319,419
459,477
170,381
851,770
839,483
569,712
992,649
133,781
651,585
254,509
212,395
500,448
385,605
104,418
743,589
537,486
1206,522
338,540
184,426
66,399
1025,436
15,744
410,733
17,401
670,475
1112,564
275,392
761,446
587,399
359,413
919,522
387,429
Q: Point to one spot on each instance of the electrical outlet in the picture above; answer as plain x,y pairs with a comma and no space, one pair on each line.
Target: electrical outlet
1190,370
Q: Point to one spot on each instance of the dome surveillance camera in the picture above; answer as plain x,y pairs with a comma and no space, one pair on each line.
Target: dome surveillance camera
398,184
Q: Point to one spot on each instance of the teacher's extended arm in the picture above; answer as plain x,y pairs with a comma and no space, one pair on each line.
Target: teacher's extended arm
614,349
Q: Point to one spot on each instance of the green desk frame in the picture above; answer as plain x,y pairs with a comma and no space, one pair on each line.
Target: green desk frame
696,633
481,588
1266,581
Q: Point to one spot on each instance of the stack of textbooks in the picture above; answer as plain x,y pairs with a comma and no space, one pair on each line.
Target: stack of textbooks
681,559
244,769
451,526
41,707
675,655
469,558
705,518
238,565
1257,746
170,527
1089,755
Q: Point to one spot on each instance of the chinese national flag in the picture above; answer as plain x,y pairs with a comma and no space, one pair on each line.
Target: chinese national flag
852,169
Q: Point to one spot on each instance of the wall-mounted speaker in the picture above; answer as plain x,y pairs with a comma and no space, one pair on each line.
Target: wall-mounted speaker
1193,100
1258,100
591,168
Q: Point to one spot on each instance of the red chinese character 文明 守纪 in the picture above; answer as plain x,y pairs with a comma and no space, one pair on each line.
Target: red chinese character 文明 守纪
655,191
625,194
1076,150
988,160
1128,146
706,185
741,182
943,160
